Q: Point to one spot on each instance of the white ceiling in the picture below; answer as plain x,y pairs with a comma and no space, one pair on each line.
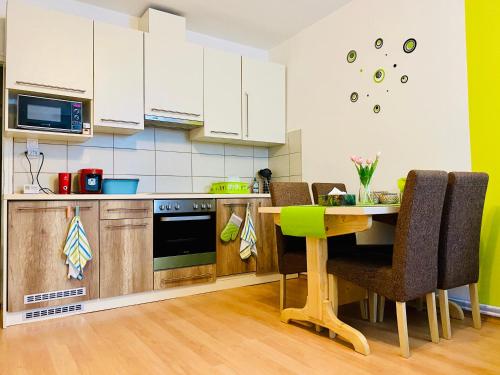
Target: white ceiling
258,23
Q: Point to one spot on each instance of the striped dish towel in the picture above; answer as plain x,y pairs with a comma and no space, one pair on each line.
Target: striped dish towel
77,248
248,237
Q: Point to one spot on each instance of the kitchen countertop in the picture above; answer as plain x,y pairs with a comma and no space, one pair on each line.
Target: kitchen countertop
70,197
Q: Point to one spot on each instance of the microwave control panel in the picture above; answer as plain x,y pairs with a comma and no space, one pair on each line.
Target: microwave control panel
76,116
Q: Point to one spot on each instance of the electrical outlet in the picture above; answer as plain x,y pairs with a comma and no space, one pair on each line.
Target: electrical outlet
32,148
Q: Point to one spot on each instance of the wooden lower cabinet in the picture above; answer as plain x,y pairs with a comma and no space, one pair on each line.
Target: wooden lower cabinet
184,276
228,253
126,256
36,264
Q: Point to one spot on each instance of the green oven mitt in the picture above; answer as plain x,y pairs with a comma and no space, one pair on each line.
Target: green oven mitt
232,228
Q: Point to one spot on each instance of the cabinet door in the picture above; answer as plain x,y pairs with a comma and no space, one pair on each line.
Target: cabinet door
222,94
228,253
36,263
48,51
263,98
173,74
118,79
267,257
126,256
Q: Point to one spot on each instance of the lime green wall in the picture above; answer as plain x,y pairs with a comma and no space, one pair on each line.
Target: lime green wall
483,59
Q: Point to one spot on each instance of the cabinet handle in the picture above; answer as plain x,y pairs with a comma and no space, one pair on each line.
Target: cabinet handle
227,133
51,208
176,112
195,277
50,86
126,209
120,121
246,98
127,226
186,218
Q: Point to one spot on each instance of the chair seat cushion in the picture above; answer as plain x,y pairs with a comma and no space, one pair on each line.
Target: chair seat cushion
369,270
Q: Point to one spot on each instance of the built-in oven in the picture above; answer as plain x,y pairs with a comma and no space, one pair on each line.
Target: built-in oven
50,114
184,233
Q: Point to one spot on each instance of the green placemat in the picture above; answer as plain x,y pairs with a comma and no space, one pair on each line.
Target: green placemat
303,221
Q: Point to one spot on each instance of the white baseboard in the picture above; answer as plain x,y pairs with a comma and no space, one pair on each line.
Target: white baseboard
221,283
485,309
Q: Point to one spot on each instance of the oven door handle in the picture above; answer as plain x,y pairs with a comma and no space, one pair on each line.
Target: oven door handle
187,218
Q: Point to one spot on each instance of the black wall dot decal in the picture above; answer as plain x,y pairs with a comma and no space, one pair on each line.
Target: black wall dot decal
351,56
354,97
410,45
395,65
379,76
376,108
379,43
404,79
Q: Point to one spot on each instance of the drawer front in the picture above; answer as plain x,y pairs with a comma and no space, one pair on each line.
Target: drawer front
184,276
111,210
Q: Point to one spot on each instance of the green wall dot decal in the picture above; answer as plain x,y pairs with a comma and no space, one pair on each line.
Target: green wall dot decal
376,108
351,56
404,79
379,76
410,45
379,43
354,97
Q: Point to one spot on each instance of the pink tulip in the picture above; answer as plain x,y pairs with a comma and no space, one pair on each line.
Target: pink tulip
360,161
353,158
368,161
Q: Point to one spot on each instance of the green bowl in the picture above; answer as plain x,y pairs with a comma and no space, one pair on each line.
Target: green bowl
337,200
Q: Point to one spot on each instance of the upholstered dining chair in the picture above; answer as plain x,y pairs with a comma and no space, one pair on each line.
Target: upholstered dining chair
347,243
413,270
458,262
292,256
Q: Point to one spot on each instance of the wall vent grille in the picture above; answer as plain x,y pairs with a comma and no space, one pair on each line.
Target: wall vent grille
49,296
51,311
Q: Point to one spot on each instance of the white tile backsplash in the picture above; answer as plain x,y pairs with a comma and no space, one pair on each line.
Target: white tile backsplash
208,148
143,140
80,157
280,165
137,162
165,160
239,166
174,184
173,163
172,140
238,150
208,165
295,164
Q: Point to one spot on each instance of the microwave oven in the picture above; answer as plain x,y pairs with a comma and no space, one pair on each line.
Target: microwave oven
57,115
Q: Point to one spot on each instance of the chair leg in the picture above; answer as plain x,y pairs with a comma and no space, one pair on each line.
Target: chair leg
432,314
444,311
333,296
474,303
282,292
363,305
381,308
404,343
372,304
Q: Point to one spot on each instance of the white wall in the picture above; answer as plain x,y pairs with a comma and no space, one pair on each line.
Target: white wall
423,124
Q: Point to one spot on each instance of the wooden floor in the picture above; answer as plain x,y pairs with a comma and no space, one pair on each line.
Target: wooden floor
237,331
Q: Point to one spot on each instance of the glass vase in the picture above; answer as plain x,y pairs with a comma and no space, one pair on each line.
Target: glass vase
365,194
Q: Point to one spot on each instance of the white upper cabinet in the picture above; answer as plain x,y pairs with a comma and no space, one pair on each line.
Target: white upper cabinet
173,78
222,96
263,98
48,52
118,79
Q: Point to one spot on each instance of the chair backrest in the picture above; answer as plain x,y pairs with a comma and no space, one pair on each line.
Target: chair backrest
415,256
323,188
290,193
336,244
458,262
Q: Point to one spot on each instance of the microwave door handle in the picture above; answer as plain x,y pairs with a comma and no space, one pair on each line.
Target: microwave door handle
186,218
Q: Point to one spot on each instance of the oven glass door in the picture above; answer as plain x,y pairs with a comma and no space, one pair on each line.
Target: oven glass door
48,114
184,240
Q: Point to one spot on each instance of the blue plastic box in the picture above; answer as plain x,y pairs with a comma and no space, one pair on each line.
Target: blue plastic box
120,185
